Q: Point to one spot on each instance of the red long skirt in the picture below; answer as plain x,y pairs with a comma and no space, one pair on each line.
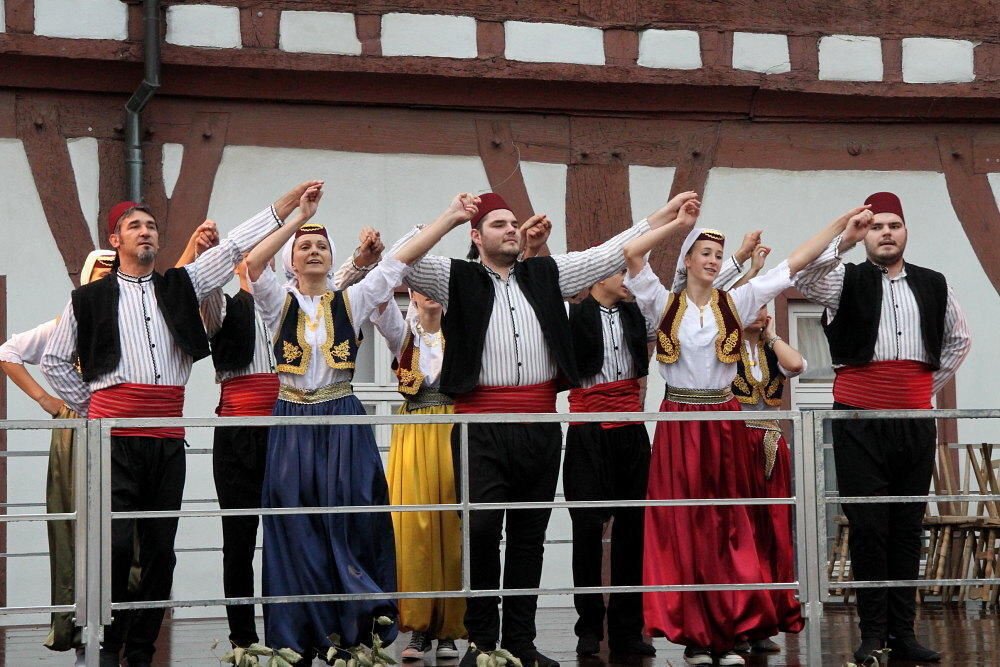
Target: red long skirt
708,545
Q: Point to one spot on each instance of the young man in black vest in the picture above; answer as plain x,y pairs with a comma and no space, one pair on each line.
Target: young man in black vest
897,336
136,334
608,461
509,351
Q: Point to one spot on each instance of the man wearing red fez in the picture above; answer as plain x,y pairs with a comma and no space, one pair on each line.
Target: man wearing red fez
509,351
136,334
897,336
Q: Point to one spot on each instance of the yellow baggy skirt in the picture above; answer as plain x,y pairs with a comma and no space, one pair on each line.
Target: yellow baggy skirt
428,544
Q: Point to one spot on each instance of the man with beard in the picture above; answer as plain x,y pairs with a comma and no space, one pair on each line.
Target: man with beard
136,334
897,336
508,351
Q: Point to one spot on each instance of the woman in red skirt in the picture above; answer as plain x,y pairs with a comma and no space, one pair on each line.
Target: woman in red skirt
699,336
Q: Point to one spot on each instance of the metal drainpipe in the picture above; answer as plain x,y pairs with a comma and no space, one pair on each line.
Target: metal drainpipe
140,98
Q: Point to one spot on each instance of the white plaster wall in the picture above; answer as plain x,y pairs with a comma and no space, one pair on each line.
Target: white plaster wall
931,60
318,32
670,49
433,35
553,43
850,58
81,19
761,52
3,17
87,172
37,290
209,26
172,156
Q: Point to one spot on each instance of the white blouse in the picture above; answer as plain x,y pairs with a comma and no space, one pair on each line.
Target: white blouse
393,327
28,346
375,288
698,366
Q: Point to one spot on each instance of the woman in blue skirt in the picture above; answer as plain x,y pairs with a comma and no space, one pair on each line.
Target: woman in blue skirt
316,337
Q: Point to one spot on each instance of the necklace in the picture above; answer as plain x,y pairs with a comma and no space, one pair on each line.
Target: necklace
429,339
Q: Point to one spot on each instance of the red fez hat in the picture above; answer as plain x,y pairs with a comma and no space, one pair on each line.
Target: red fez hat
117,211
311,228
489,202
886,202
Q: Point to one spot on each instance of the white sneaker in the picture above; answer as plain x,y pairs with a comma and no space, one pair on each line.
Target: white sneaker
446,649
731,658
698,656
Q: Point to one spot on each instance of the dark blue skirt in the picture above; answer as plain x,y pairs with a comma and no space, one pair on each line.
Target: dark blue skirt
314,466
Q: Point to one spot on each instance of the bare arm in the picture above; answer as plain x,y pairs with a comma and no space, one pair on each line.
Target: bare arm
20,376
788,357
637,249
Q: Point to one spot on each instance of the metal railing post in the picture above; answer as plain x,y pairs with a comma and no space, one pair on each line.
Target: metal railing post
463,439
105,523
811,499
822,557
91,512
80,487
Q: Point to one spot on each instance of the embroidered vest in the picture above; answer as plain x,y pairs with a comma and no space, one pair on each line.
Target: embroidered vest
727,343
771,385
291,351
407,366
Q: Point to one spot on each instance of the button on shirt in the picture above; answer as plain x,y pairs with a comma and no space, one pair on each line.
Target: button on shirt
213,312
618,362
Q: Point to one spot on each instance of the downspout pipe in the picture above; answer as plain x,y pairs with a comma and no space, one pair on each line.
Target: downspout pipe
140,98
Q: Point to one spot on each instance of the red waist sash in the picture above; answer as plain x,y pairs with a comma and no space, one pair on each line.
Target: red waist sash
128,400
488,399
248,395
885,385
620,396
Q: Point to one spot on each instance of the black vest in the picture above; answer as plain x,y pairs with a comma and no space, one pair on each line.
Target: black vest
291,351
772,383
233,344
588,336
95,306
470,305
853,332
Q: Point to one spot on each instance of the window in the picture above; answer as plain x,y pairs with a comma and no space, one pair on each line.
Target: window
814,388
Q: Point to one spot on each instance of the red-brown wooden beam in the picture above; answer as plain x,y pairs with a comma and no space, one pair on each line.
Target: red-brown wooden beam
259,28
52,170
111,183
369,31
974,202
191,196
501,161
20,16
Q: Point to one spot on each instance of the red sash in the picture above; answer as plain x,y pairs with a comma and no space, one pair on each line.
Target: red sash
490,400
248,395
128,400
885,385
620,396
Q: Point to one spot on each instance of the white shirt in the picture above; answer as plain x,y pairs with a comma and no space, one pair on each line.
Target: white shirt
758,374
373,289
213,312
393,327
28,346
618,362
148,352
899,334
698,366
515,352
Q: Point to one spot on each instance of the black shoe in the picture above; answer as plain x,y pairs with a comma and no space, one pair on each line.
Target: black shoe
109,658
869,645
139,662
908,648
588,645
530,657
632,646
765,646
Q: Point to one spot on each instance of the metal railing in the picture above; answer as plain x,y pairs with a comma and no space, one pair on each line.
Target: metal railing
93,607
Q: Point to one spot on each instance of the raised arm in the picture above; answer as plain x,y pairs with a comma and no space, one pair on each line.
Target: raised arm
849,225
204,237
59,364
760,253
263,252
637,249
362,260
534,235
391,325
460,211
790,360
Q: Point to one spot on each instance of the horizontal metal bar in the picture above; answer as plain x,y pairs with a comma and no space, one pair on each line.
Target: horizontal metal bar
13,518
340,597
933,498
37,610
30,424
911,583
375,509
987,413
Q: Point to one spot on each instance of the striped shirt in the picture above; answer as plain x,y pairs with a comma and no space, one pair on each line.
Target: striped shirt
515,352
899,334
148,352
618,361
213,312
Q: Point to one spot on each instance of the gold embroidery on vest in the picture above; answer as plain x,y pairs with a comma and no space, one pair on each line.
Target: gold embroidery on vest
292,352
410,379
304,349
725,345
332,350
671,343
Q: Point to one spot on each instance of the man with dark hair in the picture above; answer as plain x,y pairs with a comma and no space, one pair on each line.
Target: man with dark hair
509,350
136,334
897,336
